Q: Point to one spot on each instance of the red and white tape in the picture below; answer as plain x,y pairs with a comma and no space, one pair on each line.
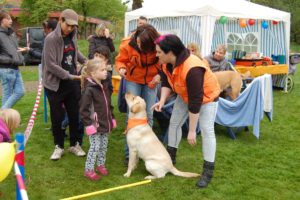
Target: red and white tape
33,115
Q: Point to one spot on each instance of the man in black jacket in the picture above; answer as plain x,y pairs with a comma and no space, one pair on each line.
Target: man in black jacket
10,59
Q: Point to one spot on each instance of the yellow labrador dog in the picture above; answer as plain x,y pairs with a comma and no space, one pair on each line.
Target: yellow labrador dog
144,144
231,79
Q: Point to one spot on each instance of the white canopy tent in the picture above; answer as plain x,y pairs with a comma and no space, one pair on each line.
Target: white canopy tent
200,18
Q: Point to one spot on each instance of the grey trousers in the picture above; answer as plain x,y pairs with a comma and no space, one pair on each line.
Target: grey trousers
206,120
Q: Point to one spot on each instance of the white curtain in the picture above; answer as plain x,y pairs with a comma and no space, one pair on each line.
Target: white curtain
206,33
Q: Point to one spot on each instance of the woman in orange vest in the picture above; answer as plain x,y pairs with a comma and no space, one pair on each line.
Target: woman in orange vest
138,64
197,98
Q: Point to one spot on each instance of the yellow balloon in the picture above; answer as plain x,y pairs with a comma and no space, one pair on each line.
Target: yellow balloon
7,157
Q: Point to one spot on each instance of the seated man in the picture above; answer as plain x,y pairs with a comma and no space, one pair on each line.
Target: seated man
217,60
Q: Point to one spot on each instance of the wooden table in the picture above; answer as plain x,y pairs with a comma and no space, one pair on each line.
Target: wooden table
261,70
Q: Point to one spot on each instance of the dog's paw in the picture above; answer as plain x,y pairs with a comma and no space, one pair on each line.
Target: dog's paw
127,174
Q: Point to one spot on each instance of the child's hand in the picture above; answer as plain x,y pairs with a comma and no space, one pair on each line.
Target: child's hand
114,122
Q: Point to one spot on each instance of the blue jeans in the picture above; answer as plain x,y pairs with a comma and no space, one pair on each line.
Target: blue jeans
206,120
149,95
12,87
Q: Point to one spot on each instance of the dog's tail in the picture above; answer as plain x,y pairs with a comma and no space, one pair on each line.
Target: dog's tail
176,172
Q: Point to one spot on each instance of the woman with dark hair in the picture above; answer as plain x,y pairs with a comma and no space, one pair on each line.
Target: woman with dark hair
138,64
10,60
197,91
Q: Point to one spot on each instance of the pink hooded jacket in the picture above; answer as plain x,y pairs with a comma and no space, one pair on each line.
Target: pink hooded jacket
4,132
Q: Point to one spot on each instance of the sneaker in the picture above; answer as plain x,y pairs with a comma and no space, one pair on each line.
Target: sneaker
102,170
92,175
77,150
58,152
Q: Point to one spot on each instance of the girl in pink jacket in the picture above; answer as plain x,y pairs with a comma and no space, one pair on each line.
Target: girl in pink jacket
9,120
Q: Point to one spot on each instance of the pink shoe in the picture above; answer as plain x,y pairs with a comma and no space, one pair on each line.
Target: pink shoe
102,170
92,175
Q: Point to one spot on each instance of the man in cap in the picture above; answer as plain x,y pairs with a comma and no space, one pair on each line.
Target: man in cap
62,82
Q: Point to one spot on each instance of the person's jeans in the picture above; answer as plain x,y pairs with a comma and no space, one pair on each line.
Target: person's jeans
206,120
12,87
149,95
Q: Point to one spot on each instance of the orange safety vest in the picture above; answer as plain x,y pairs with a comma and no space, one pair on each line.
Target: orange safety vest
141,68
177,79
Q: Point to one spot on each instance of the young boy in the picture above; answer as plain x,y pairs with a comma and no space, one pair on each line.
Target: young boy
103,52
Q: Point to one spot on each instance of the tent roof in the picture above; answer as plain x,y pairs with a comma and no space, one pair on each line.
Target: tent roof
217,8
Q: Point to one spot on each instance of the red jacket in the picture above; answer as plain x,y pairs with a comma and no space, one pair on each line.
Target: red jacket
141,68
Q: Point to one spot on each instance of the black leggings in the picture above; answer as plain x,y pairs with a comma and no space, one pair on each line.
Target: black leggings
68,95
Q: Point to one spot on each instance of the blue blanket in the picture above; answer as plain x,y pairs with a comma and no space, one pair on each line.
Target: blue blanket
248,108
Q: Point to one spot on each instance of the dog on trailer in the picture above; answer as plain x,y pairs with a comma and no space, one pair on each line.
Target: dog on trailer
233,80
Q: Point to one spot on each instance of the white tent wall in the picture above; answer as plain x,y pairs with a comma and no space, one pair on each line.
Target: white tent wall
187,28
270,40
184,17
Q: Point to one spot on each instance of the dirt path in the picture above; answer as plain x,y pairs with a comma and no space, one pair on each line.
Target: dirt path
30,86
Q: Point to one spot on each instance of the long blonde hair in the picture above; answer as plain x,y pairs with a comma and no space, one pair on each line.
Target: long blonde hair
90,67
11,118
195,48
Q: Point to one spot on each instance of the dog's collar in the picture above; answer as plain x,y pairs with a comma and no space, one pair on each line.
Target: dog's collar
135,122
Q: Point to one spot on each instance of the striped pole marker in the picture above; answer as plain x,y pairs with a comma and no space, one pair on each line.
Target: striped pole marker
19,166
21,193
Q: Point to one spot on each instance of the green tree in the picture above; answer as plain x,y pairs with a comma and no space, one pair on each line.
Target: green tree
2,3
292,6
111,10
35,11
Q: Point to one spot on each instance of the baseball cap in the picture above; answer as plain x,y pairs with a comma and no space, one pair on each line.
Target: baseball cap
70,16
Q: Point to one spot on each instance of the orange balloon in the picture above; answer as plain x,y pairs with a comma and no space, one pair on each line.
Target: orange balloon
243,23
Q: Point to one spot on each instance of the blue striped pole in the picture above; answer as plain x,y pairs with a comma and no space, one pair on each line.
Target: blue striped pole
20,161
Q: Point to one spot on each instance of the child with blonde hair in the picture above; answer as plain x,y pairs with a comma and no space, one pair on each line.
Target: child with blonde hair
96,116
9,120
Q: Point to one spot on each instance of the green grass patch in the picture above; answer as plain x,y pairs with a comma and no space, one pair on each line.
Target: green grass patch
246,168
30,73
295,48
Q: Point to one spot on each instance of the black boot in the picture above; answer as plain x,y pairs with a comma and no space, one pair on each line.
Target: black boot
172,151
207,174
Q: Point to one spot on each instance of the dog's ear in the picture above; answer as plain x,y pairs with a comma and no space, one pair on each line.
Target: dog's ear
135,108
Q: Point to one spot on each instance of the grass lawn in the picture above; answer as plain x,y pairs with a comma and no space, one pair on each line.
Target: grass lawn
246,168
